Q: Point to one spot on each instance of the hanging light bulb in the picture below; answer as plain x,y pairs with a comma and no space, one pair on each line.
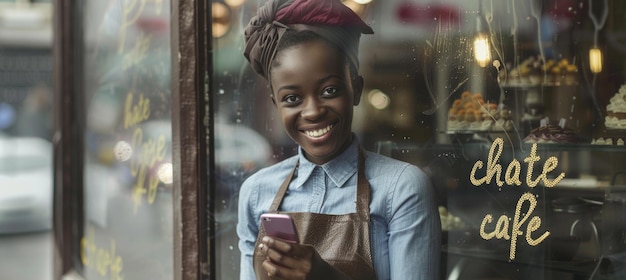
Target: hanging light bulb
595,60
482,52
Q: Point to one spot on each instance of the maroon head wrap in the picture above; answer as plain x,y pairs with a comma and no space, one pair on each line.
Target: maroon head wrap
329,19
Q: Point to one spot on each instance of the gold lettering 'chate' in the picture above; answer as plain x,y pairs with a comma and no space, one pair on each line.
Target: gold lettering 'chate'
501,230
514,169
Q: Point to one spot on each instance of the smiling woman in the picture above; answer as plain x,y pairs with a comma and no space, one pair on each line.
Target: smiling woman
308,52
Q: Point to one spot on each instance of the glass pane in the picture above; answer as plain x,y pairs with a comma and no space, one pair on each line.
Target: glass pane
128,169
514,109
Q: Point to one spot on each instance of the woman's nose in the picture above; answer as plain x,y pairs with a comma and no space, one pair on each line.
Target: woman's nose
313,110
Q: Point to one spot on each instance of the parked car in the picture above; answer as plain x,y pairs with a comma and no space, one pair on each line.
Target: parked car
25,184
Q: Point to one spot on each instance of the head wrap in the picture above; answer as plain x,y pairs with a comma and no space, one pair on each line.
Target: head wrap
329,19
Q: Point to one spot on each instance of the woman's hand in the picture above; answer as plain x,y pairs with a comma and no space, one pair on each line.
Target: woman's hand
290,261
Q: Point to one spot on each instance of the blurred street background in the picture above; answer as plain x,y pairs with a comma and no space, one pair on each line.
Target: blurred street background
25,140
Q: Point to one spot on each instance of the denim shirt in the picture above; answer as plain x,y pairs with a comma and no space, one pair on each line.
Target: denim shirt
405,227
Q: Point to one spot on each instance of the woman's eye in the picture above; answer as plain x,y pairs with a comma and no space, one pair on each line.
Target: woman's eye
330,91
291,99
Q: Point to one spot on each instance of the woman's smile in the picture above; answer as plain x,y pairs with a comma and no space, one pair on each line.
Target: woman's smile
318,133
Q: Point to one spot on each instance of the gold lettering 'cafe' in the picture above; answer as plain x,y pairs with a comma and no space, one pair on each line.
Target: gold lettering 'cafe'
516,111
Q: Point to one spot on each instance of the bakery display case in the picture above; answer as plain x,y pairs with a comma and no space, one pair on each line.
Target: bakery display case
526,150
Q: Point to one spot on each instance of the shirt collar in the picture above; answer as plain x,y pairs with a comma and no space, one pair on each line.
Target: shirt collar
339,170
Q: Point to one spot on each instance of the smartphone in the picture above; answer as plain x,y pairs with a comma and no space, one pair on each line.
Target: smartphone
280,226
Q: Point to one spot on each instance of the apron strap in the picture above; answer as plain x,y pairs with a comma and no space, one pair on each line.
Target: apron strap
283,190
362,191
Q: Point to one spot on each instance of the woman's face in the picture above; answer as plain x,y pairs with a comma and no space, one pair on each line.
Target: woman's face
315,95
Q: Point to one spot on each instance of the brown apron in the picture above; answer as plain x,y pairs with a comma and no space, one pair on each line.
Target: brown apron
341,240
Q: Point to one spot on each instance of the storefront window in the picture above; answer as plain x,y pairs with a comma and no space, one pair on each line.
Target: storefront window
513,108
128,228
